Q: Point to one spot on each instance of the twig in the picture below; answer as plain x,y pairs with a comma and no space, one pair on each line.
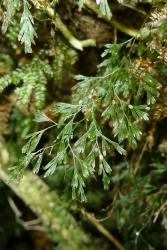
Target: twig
102,229
159,211
147,145
139,33
77,44
137,164
15,209
129,31
27,225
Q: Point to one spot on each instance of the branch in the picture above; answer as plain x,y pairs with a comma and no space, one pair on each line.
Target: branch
77,44
141,33
129,31
102,229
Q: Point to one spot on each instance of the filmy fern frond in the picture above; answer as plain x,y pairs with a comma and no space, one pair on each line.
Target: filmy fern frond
120,96
11,6
33,77
27,32
87,148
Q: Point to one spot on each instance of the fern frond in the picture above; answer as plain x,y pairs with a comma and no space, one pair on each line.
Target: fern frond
121,96
27,32
11,7
33,77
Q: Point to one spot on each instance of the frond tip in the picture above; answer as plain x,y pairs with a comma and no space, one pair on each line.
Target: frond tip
27,32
